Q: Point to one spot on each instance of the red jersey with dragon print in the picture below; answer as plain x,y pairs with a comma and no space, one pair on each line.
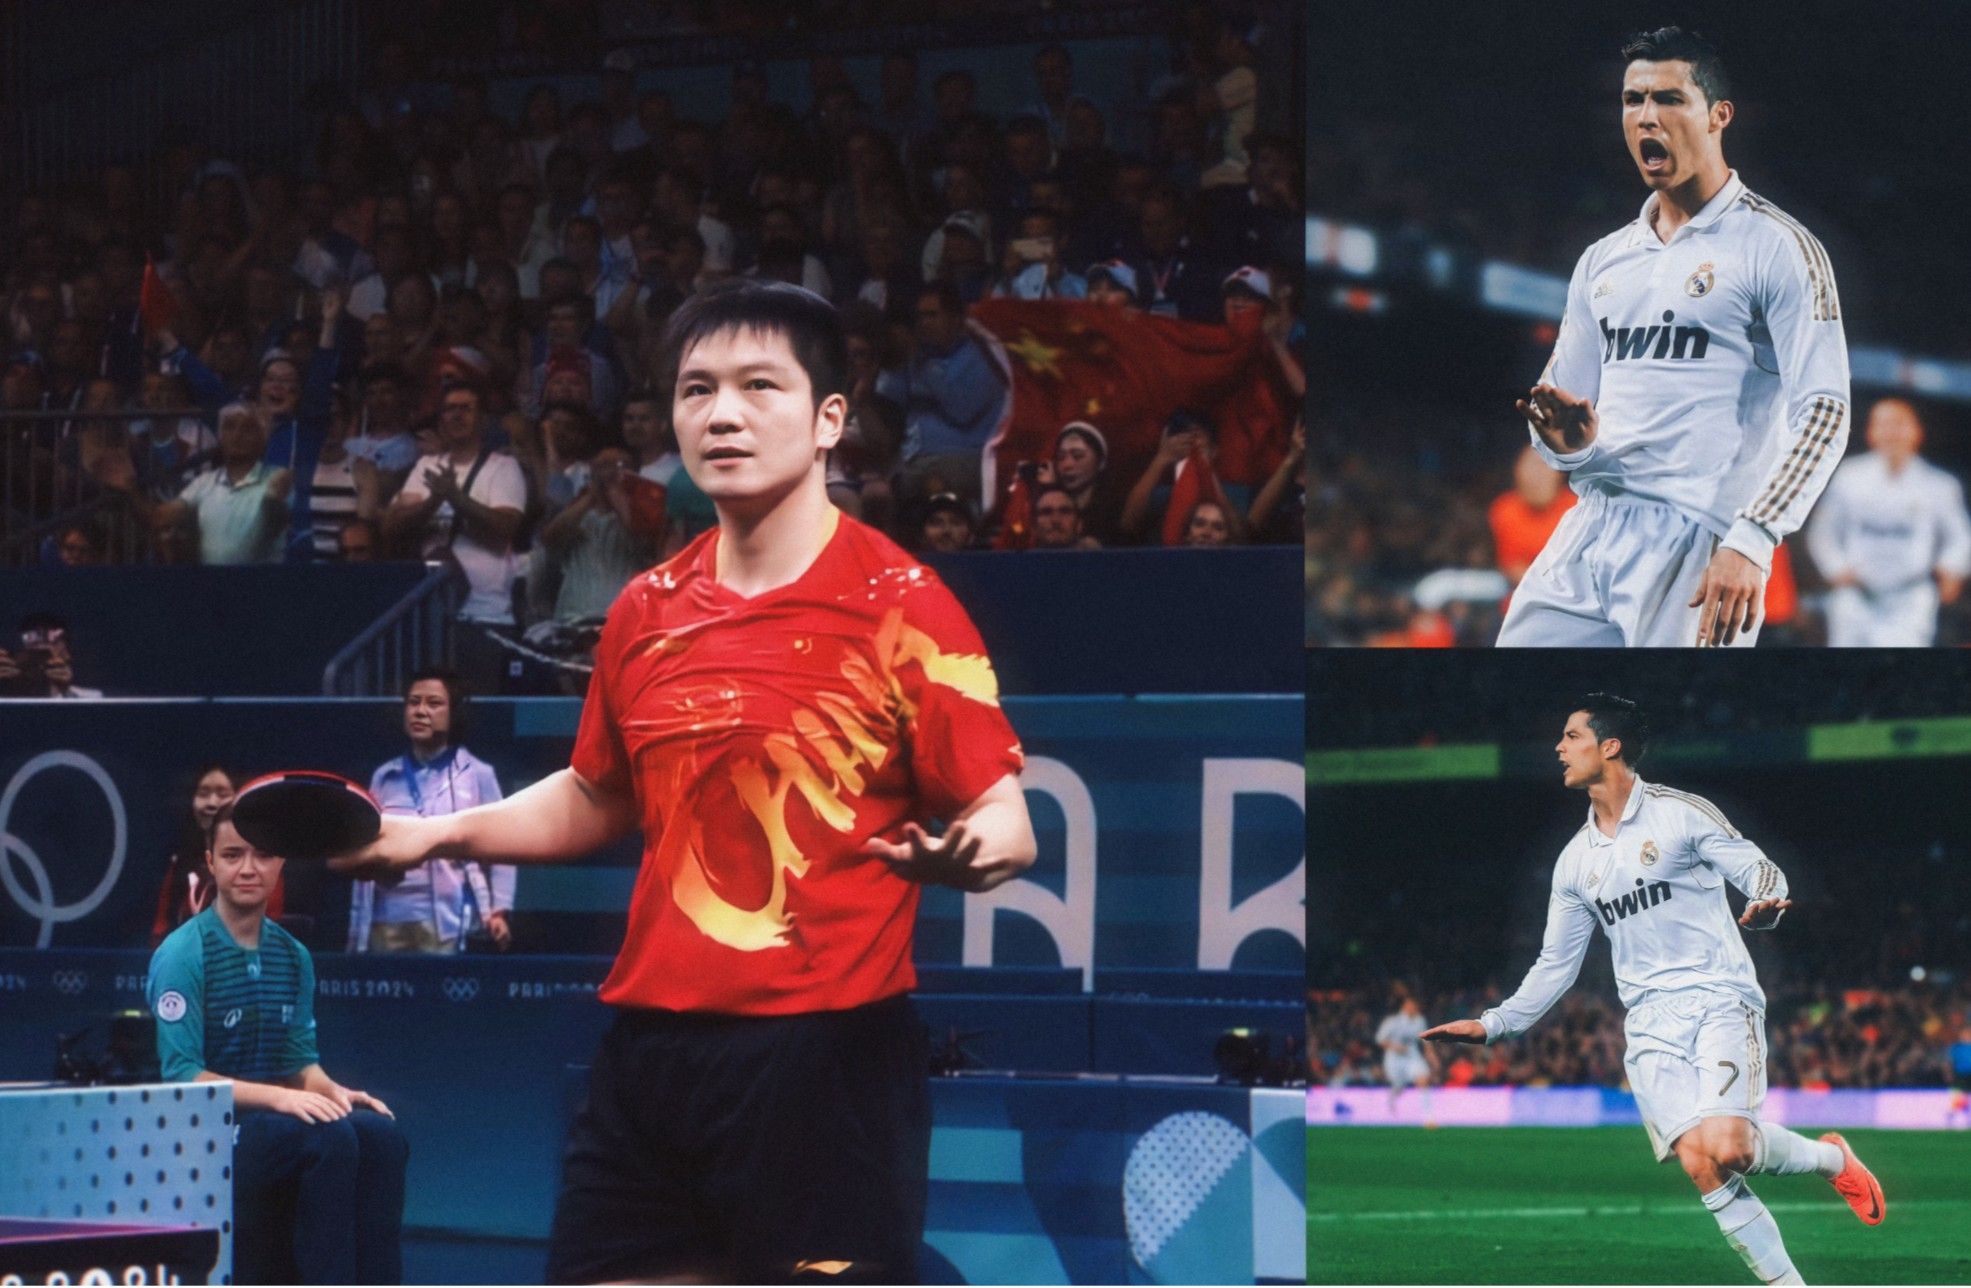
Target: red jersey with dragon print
765,739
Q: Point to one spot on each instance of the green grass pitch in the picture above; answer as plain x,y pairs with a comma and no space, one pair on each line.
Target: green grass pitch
1590,1205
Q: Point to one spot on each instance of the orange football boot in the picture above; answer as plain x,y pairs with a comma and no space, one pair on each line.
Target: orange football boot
1857,1184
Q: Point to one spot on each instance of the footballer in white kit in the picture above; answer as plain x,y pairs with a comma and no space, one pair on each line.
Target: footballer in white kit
1650,867
1403,1060
1892,538
1697,397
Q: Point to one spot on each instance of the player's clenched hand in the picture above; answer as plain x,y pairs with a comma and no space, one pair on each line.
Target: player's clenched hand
1565,423
960,858
310,1107
1731,595
404,842
1456,1031
1764,914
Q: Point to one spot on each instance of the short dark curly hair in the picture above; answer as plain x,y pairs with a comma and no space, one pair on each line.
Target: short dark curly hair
1674,44
1620,719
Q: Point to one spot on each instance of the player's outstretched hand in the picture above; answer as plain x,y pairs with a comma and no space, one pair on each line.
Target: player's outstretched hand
1565,423
959,858
1731,595
1765,914
1456,1031
404,842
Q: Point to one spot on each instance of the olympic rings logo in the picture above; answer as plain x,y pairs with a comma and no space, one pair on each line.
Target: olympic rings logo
39,903
70,982
460,988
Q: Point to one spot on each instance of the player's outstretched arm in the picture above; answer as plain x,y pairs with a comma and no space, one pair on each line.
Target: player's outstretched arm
987,845
1746,866
562,817
1456,1031
1763,915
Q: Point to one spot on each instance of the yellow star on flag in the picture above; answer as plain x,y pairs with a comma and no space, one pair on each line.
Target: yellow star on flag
1041,359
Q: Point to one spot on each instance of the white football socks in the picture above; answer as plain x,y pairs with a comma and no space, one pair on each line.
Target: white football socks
1751,1231
1785,1153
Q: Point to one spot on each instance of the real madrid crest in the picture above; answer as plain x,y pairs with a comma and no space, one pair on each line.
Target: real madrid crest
1699,284
1649,853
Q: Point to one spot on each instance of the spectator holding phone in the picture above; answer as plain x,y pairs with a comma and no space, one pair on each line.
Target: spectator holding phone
43,666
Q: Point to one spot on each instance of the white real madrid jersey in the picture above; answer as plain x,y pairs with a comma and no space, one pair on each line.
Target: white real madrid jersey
1717,365
1657,889
1890,530
1404,1029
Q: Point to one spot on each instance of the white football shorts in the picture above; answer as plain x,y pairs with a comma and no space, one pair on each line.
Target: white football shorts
1405,1070
1619,572
1905,617
1692,1055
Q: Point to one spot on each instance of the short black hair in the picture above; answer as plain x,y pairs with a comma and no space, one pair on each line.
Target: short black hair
1620,719
1674,44
809,324
457,696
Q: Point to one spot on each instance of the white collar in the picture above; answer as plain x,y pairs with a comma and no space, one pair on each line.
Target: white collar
1596,836
1721,201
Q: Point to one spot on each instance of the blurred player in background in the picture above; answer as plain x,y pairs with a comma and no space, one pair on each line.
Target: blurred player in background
1404,1063
1650,865
1892,538
1698,391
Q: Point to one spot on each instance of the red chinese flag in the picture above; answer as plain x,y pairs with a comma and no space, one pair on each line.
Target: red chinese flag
648,515
155,304
1016,520
1126,372
1194,483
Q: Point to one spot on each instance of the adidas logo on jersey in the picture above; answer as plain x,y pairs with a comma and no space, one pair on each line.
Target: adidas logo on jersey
1664,341
1641,899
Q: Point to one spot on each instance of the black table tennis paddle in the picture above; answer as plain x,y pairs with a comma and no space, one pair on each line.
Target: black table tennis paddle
306,814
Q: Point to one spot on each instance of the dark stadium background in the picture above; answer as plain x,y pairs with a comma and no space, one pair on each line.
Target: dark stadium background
1441,885
1462,135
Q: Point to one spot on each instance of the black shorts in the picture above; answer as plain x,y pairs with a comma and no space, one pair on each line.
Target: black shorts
754,1149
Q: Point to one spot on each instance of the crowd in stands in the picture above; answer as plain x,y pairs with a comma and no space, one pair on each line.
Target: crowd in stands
436,333
1822,1038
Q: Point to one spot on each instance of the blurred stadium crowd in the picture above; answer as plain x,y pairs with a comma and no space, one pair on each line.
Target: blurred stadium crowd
1864,982
461,303
1892,1037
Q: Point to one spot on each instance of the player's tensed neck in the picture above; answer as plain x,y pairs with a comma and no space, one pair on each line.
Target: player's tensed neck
1677,206
1609,795
763,551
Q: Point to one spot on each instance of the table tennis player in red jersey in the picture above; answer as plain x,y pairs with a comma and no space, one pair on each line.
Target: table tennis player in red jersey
782,708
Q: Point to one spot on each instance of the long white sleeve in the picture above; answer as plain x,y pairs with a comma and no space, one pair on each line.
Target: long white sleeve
1739,861
1802,313
1575,365
1570,925
1954,544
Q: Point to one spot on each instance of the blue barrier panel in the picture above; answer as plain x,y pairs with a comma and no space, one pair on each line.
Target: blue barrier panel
1171,829
473,1054
171,632
1137,621
1059,622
